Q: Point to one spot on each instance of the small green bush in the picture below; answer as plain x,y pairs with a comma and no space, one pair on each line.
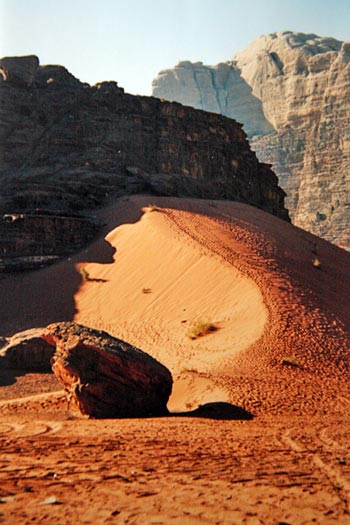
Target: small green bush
201,328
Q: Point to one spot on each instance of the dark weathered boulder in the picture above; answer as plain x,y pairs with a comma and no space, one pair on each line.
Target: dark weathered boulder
105,376
28,351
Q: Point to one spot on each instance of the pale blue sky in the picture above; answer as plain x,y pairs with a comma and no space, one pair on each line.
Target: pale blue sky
131,40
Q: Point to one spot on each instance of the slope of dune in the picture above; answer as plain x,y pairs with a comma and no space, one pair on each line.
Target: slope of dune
161,286
278,296
279,300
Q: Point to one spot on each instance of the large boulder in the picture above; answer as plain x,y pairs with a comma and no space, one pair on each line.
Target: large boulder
28,351
105,376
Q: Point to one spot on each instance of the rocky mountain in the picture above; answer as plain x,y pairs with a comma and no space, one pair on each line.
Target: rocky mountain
67,147
291,91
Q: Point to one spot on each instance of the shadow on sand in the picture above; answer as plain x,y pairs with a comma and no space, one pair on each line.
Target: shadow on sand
217,410
40,297
8,376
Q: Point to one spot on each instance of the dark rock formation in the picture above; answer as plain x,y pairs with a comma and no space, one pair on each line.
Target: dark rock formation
28,351
32,241
67,147
19,71
105,376
291,91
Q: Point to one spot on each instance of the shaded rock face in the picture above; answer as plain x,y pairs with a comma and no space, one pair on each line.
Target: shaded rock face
28,351
105,376
31,241
67,147
291,91
19,70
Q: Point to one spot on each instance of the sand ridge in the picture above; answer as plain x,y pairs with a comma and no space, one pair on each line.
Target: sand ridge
160,285
297,360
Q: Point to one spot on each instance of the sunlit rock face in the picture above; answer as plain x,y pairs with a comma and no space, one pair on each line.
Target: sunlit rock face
291,91
220,89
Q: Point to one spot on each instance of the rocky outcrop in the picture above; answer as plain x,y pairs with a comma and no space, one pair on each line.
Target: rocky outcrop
27,351
67,147
31,241
19,71
105,376
291,91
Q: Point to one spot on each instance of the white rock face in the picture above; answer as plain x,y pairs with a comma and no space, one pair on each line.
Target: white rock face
219,89
292,93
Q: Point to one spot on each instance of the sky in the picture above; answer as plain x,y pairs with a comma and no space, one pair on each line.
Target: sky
130,41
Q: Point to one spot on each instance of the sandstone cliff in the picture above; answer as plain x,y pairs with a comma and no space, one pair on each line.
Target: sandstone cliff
291,91
67,147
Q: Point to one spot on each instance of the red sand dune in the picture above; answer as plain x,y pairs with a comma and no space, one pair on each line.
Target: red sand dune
279,300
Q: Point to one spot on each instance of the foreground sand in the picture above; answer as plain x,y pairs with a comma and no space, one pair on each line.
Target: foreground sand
280,352
175,470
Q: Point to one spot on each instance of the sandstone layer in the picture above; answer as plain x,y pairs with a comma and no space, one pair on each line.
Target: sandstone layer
32,240
291,91
67,147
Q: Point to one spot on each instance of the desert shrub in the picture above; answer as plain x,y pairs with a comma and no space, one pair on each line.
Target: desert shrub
291,361
87,277
201,328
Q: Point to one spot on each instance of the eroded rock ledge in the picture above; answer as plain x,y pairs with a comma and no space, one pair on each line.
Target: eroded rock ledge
31,241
